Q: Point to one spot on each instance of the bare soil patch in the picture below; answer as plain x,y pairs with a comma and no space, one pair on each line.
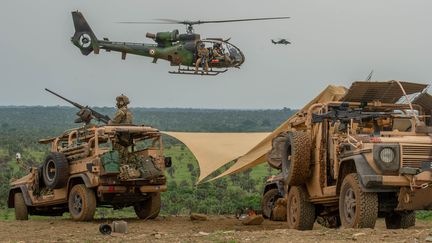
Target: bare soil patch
216,229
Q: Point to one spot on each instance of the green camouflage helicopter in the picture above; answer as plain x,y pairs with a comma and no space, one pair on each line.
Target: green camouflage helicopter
179,49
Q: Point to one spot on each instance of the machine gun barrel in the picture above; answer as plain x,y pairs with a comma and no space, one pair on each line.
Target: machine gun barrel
98,116
347,115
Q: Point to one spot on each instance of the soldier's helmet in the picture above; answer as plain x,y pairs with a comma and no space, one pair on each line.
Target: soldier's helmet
84,115
122,100
202,44
216,45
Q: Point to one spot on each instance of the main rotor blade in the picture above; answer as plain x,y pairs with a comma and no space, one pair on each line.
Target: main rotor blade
187,22
159,21
173,21
236,20
142,22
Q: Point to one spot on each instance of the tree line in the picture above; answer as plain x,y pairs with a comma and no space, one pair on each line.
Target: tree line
22,127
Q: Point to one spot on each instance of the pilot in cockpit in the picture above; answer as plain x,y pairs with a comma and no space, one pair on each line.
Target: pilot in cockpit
218,53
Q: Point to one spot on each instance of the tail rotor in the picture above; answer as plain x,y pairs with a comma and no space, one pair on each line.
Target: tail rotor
84,38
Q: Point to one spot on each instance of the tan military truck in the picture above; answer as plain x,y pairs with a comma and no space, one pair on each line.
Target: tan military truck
273,190
95,166
362,155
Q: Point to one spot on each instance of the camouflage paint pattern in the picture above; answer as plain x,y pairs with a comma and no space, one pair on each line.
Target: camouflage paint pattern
178,49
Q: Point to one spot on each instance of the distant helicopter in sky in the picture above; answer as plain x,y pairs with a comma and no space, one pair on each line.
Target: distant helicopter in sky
280,41
178,49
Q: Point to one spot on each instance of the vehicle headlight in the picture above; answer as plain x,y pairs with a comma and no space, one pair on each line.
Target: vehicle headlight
387,155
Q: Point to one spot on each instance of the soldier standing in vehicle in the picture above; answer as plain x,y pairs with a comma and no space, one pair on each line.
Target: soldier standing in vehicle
203,55
123,115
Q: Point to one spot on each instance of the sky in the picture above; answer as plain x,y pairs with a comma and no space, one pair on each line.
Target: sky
334,42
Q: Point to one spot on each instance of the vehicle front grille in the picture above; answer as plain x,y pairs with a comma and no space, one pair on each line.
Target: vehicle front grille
414,155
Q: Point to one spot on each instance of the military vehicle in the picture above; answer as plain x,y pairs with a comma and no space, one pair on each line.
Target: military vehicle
95,166
354,157
178,49
273,190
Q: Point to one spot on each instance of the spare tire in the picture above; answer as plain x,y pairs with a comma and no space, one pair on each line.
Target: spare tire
296,157
55,170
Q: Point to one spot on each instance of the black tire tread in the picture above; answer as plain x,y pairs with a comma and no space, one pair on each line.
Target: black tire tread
267,196
400,220
89,202
62,175
21,210
306,209
150,208
299,169
367,204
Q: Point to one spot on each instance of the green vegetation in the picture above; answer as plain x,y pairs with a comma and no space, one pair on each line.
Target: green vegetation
22,127
425,215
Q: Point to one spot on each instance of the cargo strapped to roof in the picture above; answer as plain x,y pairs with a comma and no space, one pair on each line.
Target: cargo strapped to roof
386,92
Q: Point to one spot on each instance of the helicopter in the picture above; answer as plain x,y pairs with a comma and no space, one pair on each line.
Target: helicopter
280,41
180,49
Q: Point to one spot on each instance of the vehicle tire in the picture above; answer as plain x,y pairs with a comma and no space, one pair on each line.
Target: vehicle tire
300,212
21,210
82,203
400,220
55,171
268,202
357,209
296,157
150,208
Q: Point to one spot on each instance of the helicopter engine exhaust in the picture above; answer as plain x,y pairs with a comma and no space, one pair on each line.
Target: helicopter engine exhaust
150,35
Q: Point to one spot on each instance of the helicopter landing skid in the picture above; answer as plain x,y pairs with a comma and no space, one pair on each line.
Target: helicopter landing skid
190,71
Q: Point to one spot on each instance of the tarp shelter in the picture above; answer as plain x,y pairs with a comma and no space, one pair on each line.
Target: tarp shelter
258,154
213,150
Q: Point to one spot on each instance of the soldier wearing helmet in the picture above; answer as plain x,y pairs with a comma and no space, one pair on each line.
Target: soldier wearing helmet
219,54
123,115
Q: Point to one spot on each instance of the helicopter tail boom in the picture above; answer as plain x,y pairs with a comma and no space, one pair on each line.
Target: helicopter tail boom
84,38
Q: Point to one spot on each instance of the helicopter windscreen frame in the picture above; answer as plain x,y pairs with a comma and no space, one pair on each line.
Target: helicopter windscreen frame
228,49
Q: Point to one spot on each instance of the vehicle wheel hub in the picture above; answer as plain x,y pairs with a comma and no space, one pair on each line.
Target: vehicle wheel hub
77,203
350,205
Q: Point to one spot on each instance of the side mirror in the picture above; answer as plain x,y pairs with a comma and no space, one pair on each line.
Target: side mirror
168,162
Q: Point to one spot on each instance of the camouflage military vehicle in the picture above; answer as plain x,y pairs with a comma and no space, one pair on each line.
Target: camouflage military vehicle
273,190
352,157
95,166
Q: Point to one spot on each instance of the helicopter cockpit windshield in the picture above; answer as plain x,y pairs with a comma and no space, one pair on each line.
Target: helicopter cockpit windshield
223,54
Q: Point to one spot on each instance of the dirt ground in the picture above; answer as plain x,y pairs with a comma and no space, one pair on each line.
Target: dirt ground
216,229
